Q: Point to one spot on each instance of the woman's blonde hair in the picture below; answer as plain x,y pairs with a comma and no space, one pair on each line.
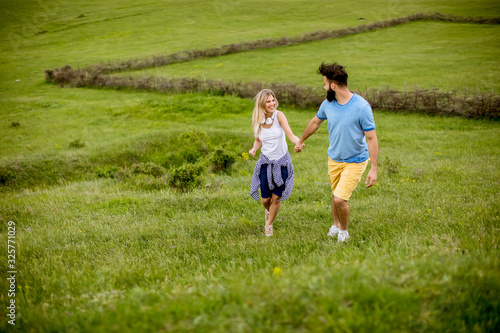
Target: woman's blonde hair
259,110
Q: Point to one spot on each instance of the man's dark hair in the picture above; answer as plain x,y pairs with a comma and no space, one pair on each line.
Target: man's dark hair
333,72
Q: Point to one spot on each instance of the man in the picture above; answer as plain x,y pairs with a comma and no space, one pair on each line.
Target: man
353,141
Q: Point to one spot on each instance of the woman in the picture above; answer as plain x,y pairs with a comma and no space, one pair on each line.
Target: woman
274,170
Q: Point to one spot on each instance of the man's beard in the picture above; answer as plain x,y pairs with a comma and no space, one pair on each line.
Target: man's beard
330,95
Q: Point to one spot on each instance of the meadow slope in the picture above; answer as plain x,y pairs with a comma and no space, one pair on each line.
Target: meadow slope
104,243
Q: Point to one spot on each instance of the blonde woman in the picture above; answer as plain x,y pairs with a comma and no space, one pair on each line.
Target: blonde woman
273,172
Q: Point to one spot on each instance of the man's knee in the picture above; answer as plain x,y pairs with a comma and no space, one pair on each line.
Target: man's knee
339,202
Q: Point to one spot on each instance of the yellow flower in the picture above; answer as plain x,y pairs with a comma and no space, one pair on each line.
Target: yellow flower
245,156
277,271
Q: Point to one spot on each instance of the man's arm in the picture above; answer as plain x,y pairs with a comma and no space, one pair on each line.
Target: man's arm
372,141
311,127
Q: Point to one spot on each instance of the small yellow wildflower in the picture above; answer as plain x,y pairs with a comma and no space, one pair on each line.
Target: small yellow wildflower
277,271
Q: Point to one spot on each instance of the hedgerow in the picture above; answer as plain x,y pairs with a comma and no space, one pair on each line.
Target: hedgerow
462,103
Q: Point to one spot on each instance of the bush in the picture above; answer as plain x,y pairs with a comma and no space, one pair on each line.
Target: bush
187,176
222,159
7,175
190,147
106,171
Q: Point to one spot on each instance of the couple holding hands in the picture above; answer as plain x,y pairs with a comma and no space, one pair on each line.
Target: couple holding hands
353,142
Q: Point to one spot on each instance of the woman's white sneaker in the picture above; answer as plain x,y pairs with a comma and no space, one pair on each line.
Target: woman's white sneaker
333,231
343,236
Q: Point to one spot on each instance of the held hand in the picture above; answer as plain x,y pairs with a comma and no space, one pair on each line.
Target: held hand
371,179
298,147
251,152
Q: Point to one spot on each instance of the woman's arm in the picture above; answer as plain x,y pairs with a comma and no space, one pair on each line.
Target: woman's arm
256,145
286,127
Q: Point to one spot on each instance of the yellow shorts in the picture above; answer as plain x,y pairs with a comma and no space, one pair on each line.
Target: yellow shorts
344,177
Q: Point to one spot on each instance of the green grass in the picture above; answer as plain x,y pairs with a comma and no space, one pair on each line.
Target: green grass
436,54
100,254
105,256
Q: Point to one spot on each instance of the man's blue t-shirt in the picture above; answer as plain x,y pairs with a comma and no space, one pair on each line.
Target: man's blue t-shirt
346,126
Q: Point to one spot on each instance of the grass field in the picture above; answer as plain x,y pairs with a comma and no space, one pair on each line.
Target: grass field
443,51
104,245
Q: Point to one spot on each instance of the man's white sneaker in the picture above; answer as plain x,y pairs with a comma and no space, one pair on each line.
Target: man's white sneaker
343,236
333,231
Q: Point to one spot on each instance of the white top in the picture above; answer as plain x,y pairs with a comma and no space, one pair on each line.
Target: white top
273,140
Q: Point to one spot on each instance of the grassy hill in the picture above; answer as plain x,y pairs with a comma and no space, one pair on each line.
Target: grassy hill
105,243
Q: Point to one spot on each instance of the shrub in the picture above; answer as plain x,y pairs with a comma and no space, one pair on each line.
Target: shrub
107,171
187,176
124,173
7,175
190,147
222,159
